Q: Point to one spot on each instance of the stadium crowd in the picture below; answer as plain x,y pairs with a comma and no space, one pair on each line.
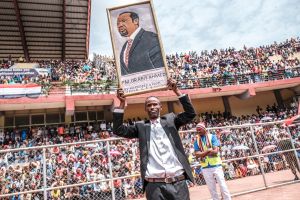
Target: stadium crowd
192,70
22,170
76,73
230,66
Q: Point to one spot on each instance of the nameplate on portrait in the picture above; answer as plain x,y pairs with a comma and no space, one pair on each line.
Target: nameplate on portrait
146,80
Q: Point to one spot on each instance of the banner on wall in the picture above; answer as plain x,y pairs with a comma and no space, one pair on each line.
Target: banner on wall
17,72
20,90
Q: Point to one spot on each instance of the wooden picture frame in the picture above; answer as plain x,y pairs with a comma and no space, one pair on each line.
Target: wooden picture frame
141,62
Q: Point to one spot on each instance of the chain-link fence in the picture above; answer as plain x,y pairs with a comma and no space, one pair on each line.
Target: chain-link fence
265,154
255,157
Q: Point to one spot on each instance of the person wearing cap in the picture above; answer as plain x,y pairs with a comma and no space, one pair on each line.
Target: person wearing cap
207,149
164,165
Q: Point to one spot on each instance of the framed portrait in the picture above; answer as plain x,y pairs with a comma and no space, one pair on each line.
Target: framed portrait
139,56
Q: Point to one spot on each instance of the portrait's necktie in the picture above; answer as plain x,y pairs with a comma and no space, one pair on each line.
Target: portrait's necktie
129,44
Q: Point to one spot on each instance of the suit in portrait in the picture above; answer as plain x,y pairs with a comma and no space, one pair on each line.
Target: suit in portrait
144,54
170,123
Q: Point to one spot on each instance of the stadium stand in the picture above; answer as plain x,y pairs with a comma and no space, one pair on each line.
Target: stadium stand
40,29
76,102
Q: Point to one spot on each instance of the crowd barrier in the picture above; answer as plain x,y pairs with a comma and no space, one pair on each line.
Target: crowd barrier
218,80
255,157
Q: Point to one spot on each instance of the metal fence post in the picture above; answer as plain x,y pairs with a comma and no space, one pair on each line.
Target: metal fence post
44,173
290,135
110,171
257,153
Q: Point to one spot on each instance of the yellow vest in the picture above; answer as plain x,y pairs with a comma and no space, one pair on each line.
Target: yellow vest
211,160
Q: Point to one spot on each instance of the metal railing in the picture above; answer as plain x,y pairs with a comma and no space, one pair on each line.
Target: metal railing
109,168
93,89
194,82
220,80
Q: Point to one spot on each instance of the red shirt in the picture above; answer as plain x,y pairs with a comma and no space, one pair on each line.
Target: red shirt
61,130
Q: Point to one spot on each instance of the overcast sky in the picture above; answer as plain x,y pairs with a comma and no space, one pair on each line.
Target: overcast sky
207,24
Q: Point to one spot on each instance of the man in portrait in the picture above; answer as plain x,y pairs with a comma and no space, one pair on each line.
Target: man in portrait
141,51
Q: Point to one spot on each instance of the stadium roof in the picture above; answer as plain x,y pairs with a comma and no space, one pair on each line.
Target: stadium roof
43,29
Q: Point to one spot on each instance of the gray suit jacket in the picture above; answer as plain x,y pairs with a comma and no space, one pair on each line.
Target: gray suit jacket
145,53
170,123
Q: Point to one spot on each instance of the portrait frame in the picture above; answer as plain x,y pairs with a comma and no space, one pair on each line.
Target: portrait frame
150,79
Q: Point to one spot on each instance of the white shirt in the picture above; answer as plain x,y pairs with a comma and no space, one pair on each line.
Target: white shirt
162,159
133,35
103,126
1,135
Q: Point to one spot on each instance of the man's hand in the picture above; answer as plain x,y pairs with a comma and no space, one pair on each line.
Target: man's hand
213,151
199,154
172,85
121,97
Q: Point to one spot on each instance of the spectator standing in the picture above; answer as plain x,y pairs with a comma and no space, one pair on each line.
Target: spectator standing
207,149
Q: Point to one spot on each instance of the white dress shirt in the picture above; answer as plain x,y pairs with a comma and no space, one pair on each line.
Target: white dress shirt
162,159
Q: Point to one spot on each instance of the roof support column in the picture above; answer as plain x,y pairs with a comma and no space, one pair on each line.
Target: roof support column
21,29
226,104
279,98
63,51
87,43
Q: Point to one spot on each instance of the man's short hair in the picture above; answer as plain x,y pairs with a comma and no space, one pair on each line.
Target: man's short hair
152,97
133,15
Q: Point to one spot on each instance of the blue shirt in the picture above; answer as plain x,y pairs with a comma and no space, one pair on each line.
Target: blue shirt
23,135
215,143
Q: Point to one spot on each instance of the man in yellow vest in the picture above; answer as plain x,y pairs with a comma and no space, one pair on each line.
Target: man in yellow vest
207,149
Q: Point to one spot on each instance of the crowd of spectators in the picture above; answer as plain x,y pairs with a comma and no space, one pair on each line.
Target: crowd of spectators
22,170
230,66
75,73
238,142
192,70
70,71
271,113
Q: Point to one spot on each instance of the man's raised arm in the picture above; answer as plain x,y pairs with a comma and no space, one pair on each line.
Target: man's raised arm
118,127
